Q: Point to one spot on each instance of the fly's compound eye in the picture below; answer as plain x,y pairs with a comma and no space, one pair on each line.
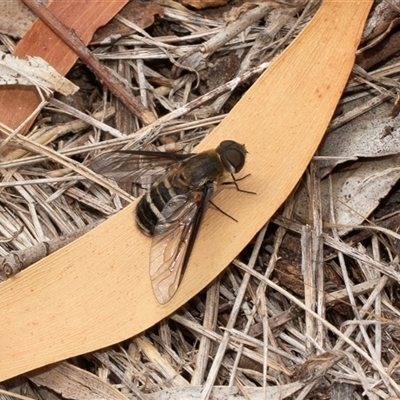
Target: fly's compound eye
232,155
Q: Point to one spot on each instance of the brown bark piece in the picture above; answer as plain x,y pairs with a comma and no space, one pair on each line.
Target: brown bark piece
84,16
96,291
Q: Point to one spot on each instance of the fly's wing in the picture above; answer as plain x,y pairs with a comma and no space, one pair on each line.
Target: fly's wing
141,167
173,240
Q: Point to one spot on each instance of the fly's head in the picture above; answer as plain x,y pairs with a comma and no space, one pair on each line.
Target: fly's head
232,154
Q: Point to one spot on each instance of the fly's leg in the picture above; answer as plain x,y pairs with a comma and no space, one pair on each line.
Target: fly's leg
235,182
223,212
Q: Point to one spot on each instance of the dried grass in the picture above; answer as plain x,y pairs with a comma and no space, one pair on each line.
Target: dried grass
250,335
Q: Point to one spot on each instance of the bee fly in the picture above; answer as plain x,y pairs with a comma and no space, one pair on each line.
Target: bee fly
172,210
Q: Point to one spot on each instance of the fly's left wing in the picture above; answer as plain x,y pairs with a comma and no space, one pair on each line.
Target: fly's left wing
173,240
136,166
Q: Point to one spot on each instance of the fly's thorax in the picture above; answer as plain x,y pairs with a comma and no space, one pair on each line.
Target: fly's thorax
199,170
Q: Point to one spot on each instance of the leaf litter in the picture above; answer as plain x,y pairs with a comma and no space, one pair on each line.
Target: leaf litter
318,314
33,71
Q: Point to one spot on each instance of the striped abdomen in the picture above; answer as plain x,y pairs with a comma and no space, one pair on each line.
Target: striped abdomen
150,206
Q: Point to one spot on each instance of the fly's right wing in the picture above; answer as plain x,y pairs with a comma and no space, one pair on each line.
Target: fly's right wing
174,237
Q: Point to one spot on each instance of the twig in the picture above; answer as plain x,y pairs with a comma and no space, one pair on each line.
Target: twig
96,122
234,29
17,261
103,73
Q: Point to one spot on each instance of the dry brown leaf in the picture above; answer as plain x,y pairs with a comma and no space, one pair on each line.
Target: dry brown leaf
141,13
372,134
356,191
220,70
317,366
16,17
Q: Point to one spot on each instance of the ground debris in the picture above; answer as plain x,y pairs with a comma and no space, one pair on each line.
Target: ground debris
319,313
